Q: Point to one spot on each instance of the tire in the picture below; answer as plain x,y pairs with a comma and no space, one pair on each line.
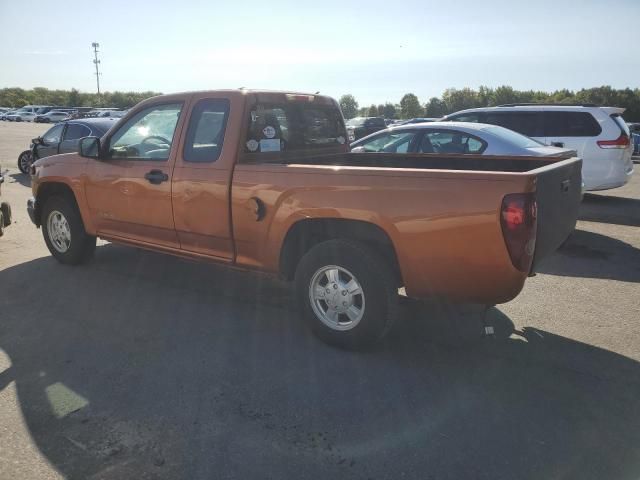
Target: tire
24,161
5,208
345,320
1,223
64,232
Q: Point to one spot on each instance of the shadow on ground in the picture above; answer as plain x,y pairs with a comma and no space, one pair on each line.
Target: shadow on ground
145,366
22,179
592,255
610,209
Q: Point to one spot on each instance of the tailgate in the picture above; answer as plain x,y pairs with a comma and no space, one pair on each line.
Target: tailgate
558,194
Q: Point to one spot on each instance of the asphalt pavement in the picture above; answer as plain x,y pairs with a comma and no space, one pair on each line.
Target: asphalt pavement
140,365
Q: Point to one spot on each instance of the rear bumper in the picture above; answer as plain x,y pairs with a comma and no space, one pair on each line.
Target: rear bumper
31,210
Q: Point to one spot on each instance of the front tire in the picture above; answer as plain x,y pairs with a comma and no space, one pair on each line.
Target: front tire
347,293
64,232
24,161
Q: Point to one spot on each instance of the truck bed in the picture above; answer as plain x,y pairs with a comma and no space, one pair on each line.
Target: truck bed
426,161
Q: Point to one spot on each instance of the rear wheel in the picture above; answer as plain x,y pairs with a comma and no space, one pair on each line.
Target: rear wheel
1,223
64,232
347,293
5,208
24,161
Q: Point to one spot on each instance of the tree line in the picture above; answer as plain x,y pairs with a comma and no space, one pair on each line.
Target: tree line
453,100
18,97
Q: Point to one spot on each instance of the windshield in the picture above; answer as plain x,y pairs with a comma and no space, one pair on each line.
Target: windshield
515,138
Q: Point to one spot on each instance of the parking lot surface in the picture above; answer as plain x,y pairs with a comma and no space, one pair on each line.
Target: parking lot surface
139,365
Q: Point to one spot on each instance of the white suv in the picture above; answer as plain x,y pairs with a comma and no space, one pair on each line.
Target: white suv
598,134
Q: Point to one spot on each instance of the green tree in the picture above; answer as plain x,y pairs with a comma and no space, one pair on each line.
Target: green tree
410,106
348,105
435,108
388,110
373,111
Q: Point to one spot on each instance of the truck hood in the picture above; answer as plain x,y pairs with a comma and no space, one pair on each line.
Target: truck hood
62,157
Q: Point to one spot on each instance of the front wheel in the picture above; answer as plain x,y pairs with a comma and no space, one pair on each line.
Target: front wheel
24,161
347,293
64,232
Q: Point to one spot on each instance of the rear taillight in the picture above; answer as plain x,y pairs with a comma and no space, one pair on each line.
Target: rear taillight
518,218
621,142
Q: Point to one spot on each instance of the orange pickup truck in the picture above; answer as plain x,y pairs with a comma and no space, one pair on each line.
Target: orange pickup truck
264,180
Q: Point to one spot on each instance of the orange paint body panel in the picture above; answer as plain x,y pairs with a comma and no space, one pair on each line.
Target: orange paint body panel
444,225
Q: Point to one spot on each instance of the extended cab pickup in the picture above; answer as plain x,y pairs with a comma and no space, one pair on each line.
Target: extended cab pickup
264,180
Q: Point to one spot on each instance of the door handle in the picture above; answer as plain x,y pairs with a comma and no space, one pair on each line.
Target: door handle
156,177
557,144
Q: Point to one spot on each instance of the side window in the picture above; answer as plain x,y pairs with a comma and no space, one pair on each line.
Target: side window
451,141
571,124
76,131
53,135
148,135
390,142
205,134
526,123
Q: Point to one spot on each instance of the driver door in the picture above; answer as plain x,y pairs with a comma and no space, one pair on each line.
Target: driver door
129,189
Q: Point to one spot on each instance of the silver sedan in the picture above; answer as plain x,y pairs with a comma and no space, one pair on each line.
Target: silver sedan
455,138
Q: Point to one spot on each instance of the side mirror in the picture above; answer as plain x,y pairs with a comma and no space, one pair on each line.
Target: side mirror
89,147
37,141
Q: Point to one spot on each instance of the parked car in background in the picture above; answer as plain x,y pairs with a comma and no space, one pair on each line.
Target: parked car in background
63,138
4,116
598,134
54,116
634,128
21,116
359,127
111,114
454,138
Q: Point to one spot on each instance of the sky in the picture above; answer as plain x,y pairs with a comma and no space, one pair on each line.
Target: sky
375,50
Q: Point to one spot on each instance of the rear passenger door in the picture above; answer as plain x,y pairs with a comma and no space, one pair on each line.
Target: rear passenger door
202,177
71,137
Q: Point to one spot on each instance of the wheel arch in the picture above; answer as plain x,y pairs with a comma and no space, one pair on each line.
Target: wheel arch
47,190
306,233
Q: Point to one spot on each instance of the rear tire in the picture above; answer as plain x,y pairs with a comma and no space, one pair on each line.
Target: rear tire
64,232
347,293
5,208
24,161
1,223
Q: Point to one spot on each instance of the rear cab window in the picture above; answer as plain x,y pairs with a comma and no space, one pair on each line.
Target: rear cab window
282,124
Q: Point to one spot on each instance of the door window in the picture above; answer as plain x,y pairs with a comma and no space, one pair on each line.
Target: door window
76,131
148,135
206,130
390,142
53,135
451,141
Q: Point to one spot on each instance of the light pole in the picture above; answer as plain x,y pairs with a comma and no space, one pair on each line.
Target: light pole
95,46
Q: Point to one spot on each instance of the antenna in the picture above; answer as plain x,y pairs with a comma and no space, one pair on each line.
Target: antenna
95,46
